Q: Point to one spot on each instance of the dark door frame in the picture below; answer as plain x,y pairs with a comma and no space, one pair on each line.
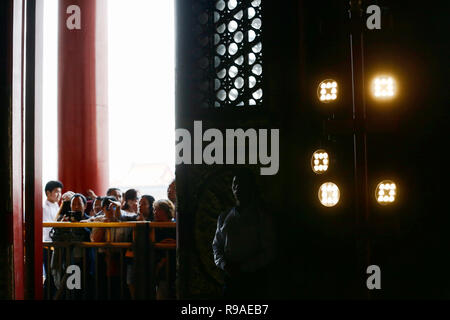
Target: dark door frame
33,148
20,155
23,223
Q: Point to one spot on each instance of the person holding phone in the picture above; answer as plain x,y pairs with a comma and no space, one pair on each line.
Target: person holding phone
109,259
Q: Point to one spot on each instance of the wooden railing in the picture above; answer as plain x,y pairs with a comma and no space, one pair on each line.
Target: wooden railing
144,245
108,225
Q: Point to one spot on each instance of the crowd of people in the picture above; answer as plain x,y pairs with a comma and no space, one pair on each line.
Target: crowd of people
115,206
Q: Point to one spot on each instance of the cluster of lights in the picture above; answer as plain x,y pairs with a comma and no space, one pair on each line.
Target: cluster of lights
320,161
383,87
327,91
385,192
329,194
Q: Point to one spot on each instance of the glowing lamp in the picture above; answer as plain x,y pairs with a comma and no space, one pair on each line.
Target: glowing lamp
320,161
386,192
329,194
383,87
327,91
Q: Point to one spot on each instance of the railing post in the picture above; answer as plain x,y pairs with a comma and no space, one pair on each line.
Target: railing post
143,263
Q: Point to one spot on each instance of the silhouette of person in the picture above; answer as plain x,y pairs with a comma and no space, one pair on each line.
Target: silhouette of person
244,242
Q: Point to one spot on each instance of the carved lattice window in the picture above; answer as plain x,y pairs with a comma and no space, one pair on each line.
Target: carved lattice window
238,54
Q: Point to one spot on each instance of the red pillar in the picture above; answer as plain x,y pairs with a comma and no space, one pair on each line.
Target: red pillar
83,97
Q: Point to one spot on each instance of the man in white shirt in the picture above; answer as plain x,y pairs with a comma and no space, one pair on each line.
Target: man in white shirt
244,242
53,190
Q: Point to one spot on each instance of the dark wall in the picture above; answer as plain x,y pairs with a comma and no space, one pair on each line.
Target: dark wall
321,251
205,191
411,240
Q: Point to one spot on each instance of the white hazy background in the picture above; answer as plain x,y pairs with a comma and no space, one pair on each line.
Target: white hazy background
141,87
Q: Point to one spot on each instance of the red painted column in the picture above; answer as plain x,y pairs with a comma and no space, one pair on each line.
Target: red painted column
83,96
17,148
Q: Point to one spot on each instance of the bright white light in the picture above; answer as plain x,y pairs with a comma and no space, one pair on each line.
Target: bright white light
319,161
385,192
383,87
141,91
329,194
327,90
49,94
